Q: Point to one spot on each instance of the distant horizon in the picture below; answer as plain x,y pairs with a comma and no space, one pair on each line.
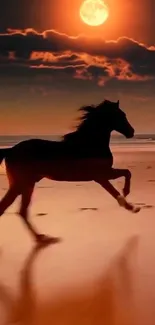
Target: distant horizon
61,135
116,139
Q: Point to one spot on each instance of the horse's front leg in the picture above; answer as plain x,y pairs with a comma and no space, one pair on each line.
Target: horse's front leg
104,182
116,173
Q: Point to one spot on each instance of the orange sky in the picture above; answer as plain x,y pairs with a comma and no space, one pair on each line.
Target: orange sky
113,61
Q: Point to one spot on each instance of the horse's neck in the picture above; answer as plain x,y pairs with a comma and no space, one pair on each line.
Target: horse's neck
102,143
90,142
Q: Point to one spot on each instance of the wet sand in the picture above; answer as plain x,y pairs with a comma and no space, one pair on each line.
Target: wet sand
102,271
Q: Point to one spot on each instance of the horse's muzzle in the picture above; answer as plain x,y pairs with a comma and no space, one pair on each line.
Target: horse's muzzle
130,134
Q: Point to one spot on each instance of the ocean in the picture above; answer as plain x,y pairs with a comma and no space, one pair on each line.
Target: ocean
138,140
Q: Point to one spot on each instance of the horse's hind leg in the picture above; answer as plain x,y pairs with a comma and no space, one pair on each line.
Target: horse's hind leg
8,199
26,195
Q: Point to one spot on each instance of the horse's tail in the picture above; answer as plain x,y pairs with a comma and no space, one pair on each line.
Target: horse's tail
3,154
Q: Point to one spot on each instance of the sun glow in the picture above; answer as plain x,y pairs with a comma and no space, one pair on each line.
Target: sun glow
94,12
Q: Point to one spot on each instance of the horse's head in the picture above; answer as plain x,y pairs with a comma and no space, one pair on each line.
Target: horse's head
100,119
115,118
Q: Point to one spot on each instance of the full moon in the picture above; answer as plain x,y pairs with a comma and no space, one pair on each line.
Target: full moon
94,12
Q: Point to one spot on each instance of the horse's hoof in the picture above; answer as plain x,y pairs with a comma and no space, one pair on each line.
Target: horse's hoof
128,206
46,240
136,209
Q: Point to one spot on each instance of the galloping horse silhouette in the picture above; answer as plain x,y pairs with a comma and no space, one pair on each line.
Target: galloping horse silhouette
83,155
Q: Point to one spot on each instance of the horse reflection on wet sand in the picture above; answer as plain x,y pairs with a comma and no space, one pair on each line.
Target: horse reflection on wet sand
109,300
83,155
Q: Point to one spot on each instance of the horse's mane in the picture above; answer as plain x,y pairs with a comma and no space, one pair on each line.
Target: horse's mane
86,120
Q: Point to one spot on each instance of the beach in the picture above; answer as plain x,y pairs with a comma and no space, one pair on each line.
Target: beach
102,270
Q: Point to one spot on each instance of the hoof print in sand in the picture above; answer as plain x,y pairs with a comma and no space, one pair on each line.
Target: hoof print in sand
87,209
41,214
45,187
145,206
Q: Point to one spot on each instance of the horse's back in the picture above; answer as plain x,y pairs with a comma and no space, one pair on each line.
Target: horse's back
42,150
36,149
36,159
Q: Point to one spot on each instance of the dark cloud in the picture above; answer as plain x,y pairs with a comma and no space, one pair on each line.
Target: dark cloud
80,57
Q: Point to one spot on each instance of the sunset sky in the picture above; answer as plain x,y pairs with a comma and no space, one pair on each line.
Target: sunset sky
51,63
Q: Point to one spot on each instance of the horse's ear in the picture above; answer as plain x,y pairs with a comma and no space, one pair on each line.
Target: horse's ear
117,103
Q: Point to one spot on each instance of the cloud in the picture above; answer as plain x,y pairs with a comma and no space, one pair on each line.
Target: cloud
81,57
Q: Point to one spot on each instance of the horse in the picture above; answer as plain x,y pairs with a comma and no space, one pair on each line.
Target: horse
81,155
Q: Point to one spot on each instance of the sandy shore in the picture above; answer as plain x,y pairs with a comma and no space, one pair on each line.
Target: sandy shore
103,270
